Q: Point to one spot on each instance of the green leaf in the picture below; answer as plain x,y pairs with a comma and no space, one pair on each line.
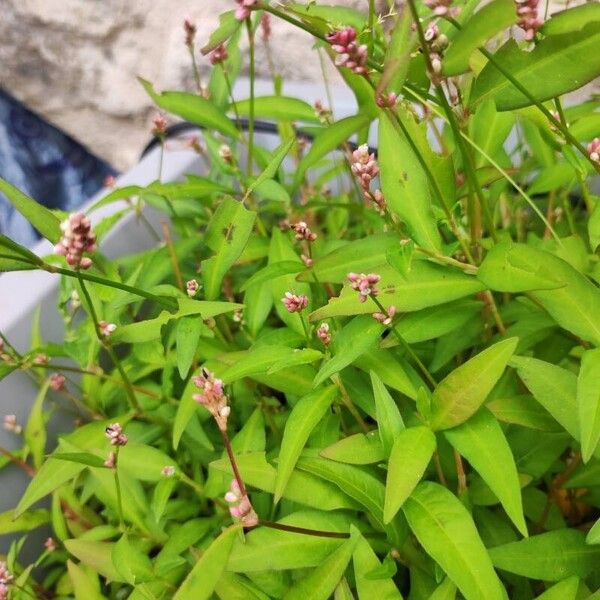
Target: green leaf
144,462
588,402
447,533
572,19
358,336
445,591
188,332
327,141
482,26
37,214
84,458
551,556
321,583
359,256
133,565
459,395
84,586
228,25
567,295
563,590
162,492
35,431
277,158
482,442
522,410
554,67
300,356
201,581
553,387
97,556
426,285
193,108
397,57
227,235
405,186
357,449
301,487
593,535
365,561
305,415
389,420
411,453
26,522
266,549
279,108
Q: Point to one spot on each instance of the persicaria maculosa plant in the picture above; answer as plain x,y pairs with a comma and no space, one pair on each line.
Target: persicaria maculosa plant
353,366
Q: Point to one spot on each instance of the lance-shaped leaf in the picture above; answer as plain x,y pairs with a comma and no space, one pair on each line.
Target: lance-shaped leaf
483,25
228,25
305,415
389,419
554,67
568,296
193,108
271,169
365,561
563,590
278,108
464,390
550,556
405,186
357,449
588,402
482,442
321,583
85,585
189,330
38,215
97,555
411,453
203,578
227,235
447,533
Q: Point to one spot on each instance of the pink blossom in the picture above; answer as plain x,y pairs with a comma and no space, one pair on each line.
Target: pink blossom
265,25
106,328
40,359
364,165
212,397
386,101
77,238
192,288
385,317
218,55
439,7
159,125
294,303
11,424
365,285
323,334
168,471
50,545
190,32
111,461
307,260
240,505
593,149
529,21
244,8
6,579
57,381
303,232
350,54
115,434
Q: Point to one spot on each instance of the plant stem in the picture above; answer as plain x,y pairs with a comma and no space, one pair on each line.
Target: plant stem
349,404
118,487
17,461
404,343
250,164
108,347
233,462
303,530
169,241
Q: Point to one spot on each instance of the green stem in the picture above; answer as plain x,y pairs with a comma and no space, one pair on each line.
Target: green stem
372,25
406,346
250,164
118,486
108,347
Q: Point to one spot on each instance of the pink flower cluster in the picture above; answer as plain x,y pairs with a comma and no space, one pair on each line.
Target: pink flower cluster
11,424
115,434
323,334
212,397
303,232
529,21
385,318
350,54
106,328
265,25
218,55
365,167
50,545
365,285
190,32
77,238
240,506
159,125
57,381
593,149
192,288
437,43
244,8
5,580
294,303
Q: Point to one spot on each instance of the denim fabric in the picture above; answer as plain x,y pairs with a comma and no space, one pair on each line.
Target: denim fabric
45,163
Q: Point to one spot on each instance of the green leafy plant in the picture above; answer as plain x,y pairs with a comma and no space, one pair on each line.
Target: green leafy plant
337,373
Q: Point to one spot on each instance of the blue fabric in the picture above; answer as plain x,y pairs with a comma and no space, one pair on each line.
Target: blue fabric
45,163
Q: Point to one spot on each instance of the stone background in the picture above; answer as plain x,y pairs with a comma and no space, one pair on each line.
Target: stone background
76,61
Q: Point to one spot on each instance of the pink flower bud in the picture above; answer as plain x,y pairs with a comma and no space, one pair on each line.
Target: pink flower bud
115,434
365,285
218,55
192,288
350,56
106,328
168,471
11,424
57,382
111,461
50,545
294,303
323,334
593,149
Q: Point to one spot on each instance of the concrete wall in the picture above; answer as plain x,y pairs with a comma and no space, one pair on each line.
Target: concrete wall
75,62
